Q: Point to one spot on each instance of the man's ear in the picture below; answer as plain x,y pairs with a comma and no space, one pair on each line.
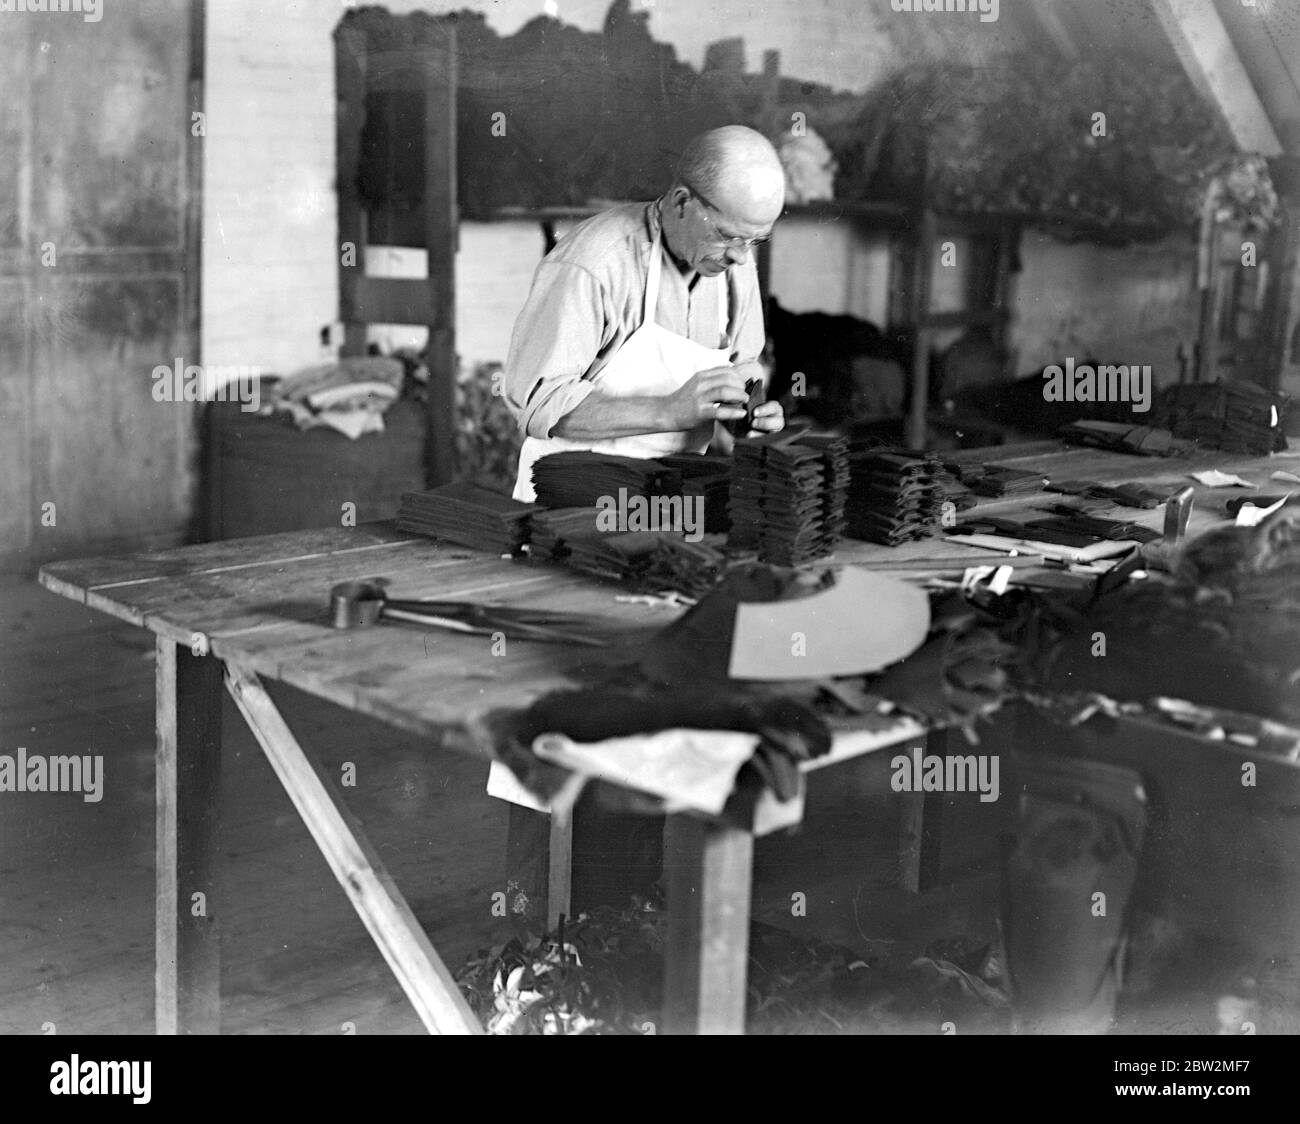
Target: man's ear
678,197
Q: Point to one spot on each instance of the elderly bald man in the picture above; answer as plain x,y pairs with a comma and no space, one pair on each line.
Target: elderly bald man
644,323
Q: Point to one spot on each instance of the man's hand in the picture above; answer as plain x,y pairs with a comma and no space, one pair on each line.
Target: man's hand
717,394
768,418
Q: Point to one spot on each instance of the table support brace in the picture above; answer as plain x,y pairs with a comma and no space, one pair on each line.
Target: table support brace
355,863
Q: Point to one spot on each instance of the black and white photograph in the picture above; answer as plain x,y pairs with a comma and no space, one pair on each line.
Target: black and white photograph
651,518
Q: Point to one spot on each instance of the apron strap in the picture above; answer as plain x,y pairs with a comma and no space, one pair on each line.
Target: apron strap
650,301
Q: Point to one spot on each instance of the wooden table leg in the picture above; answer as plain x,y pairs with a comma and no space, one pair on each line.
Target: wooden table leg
356,864
187,974
559,875
709,870
920,828
528,835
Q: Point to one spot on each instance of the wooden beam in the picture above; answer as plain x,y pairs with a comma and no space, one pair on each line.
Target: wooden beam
355,863
187,949
1199,38
709,869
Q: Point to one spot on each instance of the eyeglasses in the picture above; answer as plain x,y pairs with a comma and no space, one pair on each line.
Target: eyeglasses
730,241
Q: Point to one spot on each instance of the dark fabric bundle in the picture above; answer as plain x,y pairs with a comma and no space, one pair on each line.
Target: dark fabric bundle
553,527
582,479
469,514
789,730
1232,415
787,496
894,495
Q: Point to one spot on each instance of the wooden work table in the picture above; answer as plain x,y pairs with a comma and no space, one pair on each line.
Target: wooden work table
256,609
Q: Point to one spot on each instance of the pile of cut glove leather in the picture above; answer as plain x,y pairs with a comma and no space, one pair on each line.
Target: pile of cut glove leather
788,493
566,529
895,495
468,514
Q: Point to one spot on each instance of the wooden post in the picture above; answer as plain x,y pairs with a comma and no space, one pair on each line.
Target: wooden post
350,109
709,869
917,427
920,827
187,975
441,222
356,865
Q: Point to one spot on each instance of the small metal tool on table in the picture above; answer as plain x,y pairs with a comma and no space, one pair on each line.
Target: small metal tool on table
359,604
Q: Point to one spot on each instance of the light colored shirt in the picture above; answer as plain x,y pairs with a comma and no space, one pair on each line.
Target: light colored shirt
586,300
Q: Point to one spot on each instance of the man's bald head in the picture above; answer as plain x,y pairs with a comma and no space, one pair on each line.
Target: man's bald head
739,171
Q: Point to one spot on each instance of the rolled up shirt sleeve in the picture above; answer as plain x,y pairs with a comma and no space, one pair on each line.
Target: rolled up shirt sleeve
556,339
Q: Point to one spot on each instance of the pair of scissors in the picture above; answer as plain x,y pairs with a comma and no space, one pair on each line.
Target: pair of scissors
359,604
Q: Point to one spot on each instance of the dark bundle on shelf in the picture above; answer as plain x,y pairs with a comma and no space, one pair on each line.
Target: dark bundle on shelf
787,497
582,479
468,514
1232,415
894,495
553,527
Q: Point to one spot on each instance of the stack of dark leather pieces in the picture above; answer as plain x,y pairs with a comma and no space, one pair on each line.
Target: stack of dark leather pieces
708,478
894,495
1231,415
553,527
787,496
1064,526
1120,437
582,479
999,480
692,568
622,556
468,514
1126,495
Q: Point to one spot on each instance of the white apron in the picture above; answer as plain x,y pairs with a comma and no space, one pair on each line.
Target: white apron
652,361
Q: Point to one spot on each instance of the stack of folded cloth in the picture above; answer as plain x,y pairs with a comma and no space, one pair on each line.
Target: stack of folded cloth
582,479
621,555
787,497
551,528
693,568
1232,415
706,477
998,480
468,514
894,495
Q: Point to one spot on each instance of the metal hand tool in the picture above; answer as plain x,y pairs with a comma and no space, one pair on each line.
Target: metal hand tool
358,604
